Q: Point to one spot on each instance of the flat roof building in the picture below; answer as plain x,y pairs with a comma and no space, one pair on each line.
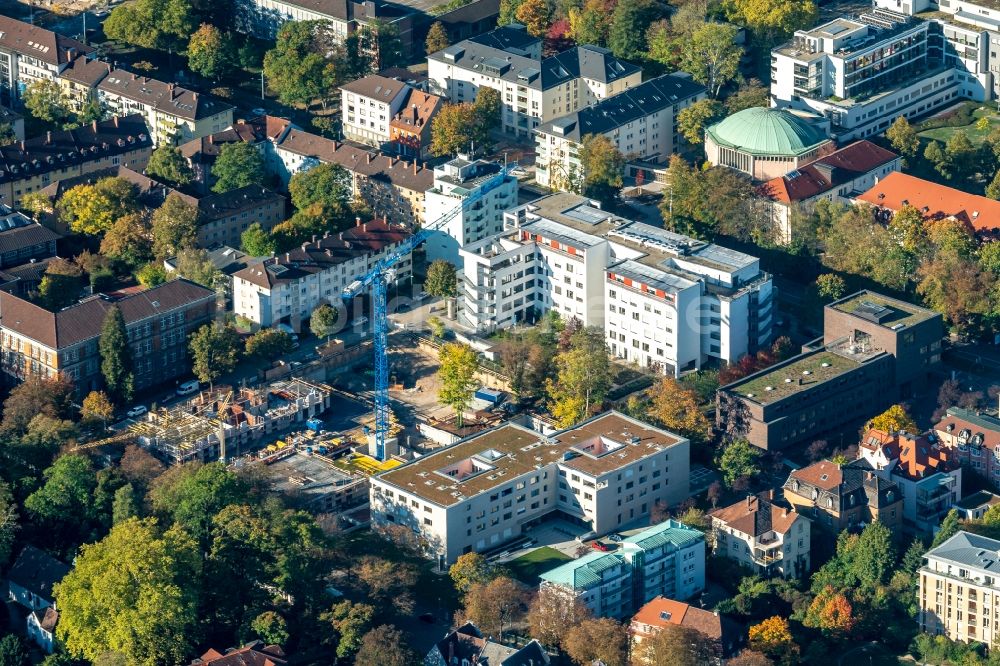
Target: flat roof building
481,492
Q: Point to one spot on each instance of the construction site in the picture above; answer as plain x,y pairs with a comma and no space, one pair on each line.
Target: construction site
223,423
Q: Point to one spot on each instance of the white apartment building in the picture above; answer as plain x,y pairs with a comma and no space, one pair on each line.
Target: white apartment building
29,54
287,288
173,114
454,182
367,107
533,91
770,540
641,122
862,74
263,18
664,300
482,491
959,594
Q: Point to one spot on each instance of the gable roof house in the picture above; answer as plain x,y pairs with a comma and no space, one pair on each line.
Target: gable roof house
255,653
30,584
466,646
724,634
770,539
33,54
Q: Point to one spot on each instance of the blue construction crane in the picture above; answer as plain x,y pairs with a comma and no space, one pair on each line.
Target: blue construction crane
378,279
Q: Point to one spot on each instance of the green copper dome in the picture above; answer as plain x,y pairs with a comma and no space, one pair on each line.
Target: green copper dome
766,131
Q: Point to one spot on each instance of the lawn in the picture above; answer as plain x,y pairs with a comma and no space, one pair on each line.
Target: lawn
530,566
975,134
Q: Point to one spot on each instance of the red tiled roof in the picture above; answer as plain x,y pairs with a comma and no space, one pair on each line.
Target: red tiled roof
662,611
252,654
756,516
917,455
826,173
934,201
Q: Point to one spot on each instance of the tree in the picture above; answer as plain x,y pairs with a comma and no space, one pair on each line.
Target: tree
323,322
487,109
238,165
8,522
712,57
773,638
191,495
116,357
326,184
936,155
583,377
749,95
256,242
676,409
295,68
134,593
271,628
152,24
268,344
534,15
44,100
508,12
383,42
210,53
470,569
830,612
771,20
124,506
97,407
750,658
175,226
692,120
551,614
442,280
457,375
195,265
167,163
950,525
13,651
93,209
993,189
830,286
151,275
452,130
215,349
675,645
629,20
47,396
589,24
739,460
603,166
903,137
384,646
496,605
894,419
64,502
437,38
60,285
128,241
351,621
603,639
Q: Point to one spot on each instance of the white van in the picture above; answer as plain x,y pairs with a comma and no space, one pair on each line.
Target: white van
187,388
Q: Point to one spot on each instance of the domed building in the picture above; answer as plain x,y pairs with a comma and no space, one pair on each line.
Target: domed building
765,143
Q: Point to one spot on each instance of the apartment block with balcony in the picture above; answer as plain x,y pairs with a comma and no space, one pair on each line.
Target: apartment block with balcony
601,581
665,300
368,105
454,182
29,53
767,538
532,90
974,438
481,492
959,594
641,122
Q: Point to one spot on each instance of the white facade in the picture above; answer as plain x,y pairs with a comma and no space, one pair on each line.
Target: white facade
780,550
454,182
478,494
368,105
665,301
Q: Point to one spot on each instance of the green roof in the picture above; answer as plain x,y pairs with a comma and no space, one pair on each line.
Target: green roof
668,532
897,312
804,372
584,572
764,131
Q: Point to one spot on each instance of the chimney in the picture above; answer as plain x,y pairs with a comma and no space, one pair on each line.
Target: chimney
336,145
210,139
48,138
368,157
415,169
194,96
328,253
22,145
385,219
784,512
340,236
314,238
364,227
288,257
357,221
305,246
115,119
749,501
93,125
326,234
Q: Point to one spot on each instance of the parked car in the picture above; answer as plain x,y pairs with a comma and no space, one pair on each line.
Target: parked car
615,537
187,388
138,410
597,545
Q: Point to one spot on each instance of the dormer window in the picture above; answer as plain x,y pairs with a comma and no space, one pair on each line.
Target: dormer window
829,502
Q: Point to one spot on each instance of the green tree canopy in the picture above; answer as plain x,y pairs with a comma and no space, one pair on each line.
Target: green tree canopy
459,363
44,99
437,38
167,163
215,350
256,242
627,36
294,68
903,137
238,165
323,322
93,209
268,344
442,280
210,52
128,241
692,120
603,167
583,377
326,184
152,24
116,357
175,226
739,460
712,57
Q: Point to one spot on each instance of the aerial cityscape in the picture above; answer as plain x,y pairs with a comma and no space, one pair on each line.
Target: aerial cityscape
500,332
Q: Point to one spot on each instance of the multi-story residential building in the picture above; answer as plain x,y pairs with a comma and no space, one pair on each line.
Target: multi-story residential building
927,473
862,74
934,201
533,91
668,558
222,218
173,114
959,595
263,18
664,300
767,538
23,240
367,107
482,491
976,505
722,633
454,182
974,437
845,497
31,165
287,288
467,645
838,177
36,342
79,80
641,122
875,351
29,53
410,128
